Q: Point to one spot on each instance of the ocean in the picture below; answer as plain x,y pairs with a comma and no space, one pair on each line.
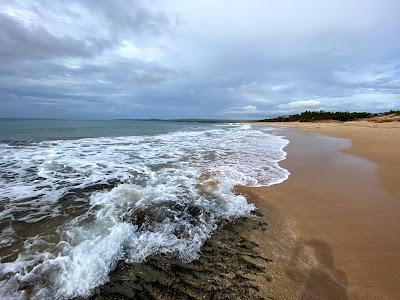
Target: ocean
76,197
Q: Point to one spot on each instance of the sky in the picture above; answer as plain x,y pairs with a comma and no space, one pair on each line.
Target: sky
249,59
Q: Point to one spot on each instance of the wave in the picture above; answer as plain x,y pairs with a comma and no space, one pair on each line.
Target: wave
153,194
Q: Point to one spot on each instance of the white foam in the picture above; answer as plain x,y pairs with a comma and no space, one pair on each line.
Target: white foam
173,190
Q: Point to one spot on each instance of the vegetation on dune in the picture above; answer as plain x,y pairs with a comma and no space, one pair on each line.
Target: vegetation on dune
311,116
393,112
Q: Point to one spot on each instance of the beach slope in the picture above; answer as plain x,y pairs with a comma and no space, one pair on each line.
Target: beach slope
342,204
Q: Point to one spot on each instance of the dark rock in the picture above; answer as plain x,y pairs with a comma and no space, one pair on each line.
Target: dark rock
223,271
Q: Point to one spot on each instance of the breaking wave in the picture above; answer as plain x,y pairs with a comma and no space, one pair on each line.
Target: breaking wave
89,203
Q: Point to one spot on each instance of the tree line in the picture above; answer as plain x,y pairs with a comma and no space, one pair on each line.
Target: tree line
311,116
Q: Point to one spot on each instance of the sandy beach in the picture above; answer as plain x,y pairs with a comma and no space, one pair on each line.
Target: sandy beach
376,142
331,231
334,224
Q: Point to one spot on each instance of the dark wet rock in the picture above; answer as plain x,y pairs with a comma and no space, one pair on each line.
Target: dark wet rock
225,270
194,211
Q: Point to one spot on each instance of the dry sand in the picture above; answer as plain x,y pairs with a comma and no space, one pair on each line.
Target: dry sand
341,237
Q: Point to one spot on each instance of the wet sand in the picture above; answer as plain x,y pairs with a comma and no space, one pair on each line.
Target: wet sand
331,231
341,213
376,142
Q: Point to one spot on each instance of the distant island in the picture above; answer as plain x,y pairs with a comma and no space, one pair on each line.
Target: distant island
315,116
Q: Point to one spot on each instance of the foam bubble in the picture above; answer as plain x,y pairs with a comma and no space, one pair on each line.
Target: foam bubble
142,195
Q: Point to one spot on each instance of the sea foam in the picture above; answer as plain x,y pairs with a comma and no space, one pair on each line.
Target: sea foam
137,196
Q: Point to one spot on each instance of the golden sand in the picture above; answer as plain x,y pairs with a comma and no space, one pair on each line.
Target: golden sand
341,213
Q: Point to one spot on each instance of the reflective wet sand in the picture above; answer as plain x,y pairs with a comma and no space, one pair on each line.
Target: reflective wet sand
337,227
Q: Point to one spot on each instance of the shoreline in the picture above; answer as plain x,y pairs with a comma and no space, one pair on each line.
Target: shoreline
230,267
317,235
341,208
376,142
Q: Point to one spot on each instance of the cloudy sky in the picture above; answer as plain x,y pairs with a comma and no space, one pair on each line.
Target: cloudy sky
197,59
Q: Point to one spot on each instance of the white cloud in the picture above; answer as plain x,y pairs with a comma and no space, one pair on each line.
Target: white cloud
258,92
301,104
243,110
128,49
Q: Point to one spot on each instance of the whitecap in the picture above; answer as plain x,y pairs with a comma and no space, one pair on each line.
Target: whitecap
142,195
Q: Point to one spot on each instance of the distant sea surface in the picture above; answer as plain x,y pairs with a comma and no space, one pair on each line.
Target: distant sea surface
76,197
51,129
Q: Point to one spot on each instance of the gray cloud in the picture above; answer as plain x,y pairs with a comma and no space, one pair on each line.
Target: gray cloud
20,43
131,16
110,59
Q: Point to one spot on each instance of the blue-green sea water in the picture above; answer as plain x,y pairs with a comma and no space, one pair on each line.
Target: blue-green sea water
50,129
78,196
